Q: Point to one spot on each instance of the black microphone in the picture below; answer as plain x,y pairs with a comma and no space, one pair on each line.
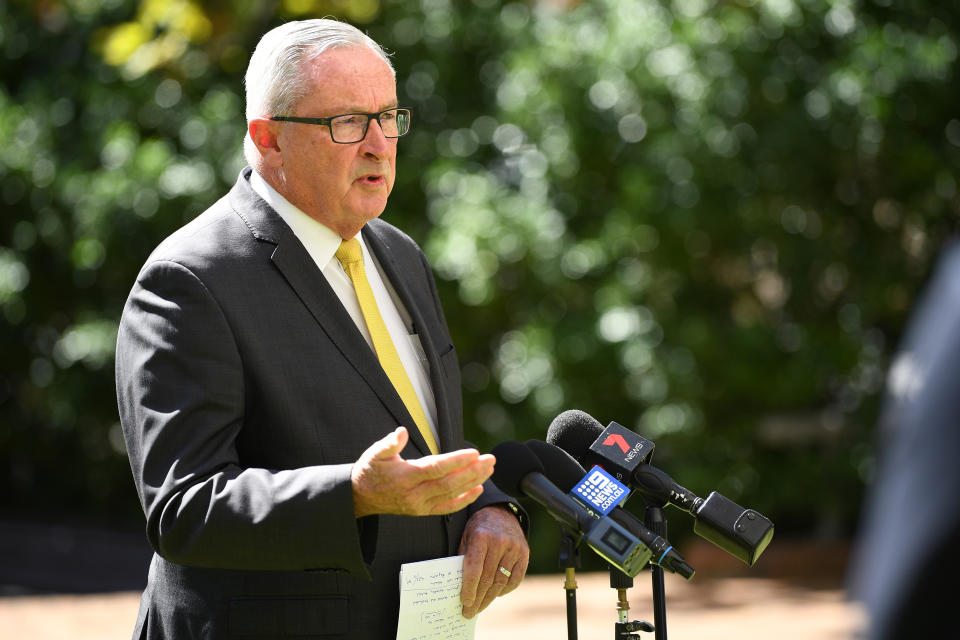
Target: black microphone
519,471
566,473
743,533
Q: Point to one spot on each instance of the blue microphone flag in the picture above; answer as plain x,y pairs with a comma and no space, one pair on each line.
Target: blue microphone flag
600,491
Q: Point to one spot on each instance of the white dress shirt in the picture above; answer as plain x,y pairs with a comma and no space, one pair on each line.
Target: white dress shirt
322,243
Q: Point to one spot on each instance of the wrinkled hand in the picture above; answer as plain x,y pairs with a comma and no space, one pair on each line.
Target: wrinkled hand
492,539
383,482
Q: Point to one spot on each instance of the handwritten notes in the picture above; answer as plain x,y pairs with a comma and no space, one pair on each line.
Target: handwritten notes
430,606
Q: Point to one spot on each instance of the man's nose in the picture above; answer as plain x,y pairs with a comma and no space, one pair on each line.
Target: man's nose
376,143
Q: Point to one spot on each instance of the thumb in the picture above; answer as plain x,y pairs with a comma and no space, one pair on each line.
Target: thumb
390,445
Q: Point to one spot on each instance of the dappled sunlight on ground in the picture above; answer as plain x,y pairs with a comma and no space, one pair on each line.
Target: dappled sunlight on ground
714,608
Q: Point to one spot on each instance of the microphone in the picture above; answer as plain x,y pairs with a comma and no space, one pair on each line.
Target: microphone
616,448
518,470
743,533
566,473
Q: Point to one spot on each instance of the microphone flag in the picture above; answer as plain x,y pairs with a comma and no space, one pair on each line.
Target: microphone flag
623,449
600,491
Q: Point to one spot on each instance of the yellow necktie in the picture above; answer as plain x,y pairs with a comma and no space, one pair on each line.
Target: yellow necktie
351,257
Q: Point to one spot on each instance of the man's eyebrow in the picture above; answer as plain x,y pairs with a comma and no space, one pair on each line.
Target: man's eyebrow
391,105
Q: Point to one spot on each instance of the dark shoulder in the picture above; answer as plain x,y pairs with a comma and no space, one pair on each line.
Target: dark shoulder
395,242
391,236
215,237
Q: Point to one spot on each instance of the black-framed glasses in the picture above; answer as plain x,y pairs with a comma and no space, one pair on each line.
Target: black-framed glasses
352,127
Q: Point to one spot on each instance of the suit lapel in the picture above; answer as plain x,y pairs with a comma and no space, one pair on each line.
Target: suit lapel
301,273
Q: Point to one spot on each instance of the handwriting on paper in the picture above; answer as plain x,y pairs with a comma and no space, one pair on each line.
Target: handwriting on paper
430,606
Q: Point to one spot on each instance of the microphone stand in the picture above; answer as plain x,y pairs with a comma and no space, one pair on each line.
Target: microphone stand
624,627
569,561
654,519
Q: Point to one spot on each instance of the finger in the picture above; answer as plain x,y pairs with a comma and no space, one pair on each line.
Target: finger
475,545
487,553
515,561
517,573
455,486
460,502
494,592
390,445
472,568
393,487
495,533
439,465
491,582
482,586
502,585
434,489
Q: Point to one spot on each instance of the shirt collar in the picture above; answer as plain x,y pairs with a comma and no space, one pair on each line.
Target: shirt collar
320,241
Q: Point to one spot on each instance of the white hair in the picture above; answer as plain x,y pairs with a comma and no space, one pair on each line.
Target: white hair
275,81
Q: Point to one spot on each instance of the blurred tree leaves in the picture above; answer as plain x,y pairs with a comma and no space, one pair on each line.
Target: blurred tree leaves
704,220
162,31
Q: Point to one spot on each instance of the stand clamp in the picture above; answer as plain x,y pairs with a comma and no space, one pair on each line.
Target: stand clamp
624,630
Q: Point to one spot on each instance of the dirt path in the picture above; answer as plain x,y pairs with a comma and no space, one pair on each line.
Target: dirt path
715,609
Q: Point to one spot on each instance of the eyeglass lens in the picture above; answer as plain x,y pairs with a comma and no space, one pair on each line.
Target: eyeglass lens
353,127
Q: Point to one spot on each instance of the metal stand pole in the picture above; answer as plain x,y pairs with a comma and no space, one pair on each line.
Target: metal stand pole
569,561
570,585
655,521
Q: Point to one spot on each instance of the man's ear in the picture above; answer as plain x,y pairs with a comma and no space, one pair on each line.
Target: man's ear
263,133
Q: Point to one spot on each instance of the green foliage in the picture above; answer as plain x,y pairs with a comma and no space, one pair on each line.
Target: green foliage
706,221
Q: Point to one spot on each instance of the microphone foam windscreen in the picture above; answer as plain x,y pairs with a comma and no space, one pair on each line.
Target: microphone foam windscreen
574,431
559,466
514,462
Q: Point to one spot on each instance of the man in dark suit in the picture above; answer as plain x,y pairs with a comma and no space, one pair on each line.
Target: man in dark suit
268,354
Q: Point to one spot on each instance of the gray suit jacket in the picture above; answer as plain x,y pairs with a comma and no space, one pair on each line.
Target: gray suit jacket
246,393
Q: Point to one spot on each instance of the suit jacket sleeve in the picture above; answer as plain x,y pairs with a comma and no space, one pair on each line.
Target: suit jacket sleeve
181,396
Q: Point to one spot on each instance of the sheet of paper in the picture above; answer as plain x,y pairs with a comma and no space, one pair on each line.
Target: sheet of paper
430,606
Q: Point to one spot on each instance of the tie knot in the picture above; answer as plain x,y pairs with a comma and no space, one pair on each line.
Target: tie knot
349,252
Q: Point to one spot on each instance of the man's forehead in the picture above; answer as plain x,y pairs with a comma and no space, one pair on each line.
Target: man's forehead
351,78
346,62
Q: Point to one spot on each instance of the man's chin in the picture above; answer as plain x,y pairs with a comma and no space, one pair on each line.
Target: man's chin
370,208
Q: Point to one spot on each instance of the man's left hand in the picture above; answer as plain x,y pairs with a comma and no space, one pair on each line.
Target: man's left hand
492,539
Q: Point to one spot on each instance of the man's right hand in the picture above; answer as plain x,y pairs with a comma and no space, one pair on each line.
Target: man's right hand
383,482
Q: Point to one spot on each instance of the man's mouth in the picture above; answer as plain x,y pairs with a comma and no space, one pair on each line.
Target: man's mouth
371,179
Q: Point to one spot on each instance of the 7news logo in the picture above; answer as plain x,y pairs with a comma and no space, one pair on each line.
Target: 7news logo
600,491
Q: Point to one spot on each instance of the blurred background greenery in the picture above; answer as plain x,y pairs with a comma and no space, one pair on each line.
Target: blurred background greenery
706,220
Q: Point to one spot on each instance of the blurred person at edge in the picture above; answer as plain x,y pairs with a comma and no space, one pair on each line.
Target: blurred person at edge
907,551
283,475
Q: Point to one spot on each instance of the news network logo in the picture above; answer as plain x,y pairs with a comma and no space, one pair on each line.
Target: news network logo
623,449
599,491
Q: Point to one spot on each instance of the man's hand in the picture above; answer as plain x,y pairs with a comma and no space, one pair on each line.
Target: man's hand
492,539
383,482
